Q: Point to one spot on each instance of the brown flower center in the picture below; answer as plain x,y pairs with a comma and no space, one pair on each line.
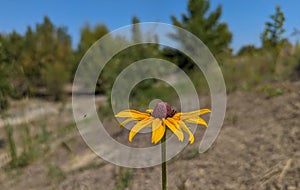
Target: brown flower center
162,110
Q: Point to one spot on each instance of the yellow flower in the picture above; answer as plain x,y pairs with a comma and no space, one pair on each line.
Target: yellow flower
160,118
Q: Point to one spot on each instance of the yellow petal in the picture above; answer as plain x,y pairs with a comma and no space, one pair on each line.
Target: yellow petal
174,127
177,116
199,112
158,130
187,130
197,121
149,110
133,113
204,111
192,114
174,122
126,121
140,125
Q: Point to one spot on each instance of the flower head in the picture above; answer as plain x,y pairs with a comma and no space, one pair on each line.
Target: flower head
162,117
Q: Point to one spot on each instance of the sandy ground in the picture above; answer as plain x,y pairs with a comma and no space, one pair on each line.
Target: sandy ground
257,148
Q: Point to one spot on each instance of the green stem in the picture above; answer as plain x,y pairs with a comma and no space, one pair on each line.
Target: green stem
164,163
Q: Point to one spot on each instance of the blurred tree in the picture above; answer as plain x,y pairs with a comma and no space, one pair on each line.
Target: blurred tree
136,31
47,46
206,26
11,46
247,50
128,56
55,78
272,35
5,89
123,58
89,35
272,39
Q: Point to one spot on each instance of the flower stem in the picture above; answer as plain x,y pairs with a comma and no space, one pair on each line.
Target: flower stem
164,163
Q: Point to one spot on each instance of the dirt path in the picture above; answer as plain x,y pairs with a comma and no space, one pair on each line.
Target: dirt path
27,116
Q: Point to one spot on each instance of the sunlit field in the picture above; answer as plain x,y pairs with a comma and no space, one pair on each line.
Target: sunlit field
257,147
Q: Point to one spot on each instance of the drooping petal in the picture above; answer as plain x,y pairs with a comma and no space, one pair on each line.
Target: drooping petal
174,122
158,130
174,127
133,114
193,114
198,112
187,130
140,125
197,121
126,121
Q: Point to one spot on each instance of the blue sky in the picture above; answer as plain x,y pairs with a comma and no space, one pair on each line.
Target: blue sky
245,18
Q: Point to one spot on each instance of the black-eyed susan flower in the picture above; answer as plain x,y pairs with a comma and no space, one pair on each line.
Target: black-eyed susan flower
161,118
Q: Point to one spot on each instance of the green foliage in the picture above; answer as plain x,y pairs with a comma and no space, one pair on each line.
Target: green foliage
247,71
55,173
123,179
29,152
12,145
12,45
89,35
136,33
6,69
47,61
199,81
121,61
126,57
30,56
29,60
27,141
66,129
271,91
252,66
105,111
45,134
272,40
32,147
55,76
272,35
42,61
142,95
4,89
248,50
295,63
206,26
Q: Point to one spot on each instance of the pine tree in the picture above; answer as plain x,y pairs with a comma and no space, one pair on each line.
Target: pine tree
272,35
272,39
206,26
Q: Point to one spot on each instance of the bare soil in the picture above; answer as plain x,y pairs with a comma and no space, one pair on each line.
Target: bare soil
257,148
